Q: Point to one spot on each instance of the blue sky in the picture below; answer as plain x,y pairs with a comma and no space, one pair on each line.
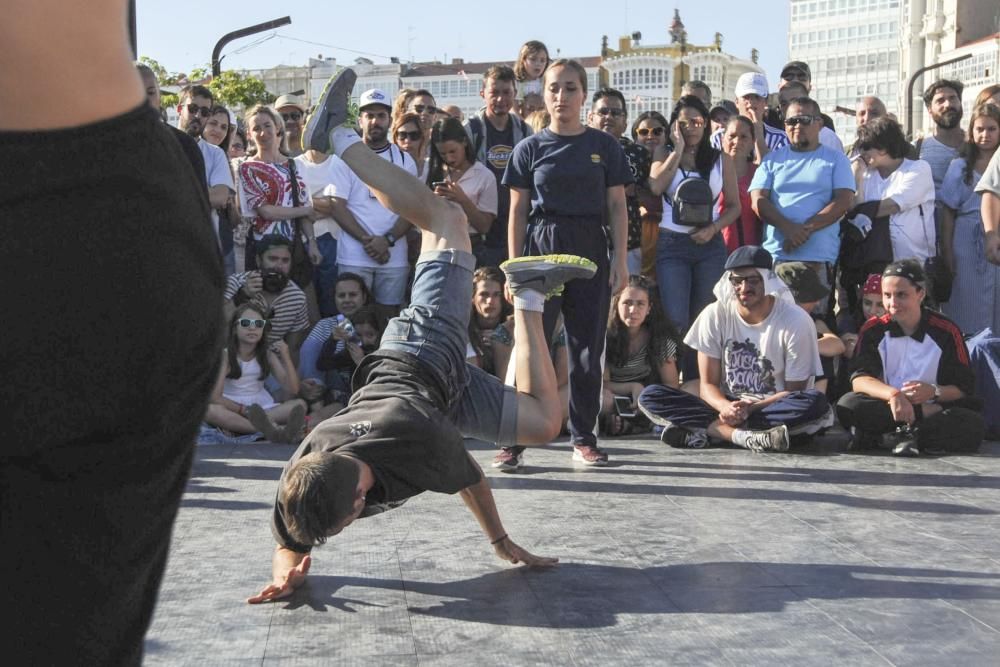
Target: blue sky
182,38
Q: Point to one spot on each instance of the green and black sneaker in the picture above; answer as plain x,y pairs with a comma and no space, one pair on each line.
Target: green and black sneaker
546,273
330,112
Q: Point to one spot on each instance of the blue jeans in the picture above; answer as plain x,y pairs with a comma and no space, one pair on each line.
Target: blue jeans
686,273
325,275
434,328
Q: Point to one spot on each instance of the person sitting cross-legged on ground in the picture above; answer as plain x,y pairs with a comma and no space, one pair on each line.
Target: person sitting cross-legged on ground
641,349
758,359
402,432
911,373
240,402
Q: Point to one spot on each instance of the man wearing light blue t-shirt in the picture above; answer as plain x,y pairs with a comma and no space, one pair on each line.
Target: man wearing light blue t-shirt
800,191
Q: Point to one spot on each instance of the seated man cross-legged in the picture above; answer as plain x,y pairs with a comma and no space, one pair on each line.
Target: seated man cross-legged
402,431
758,359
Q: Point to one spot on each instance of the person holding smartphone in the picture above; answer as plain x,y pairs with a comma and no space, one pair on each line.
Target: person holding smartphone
455,174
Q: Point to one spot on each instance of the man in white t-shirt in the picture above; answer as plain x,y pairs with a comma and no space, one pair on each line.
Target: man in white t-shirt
758,358
373,244
193,109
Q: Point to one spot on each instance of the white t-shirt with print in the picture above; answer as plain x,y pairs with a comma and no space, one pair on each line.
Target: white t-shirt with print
758,359
366,209
911,186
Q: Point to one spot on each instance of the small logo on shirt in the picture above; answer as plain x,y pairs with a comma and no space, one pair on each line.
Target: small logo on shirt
359,429
499,155
595,158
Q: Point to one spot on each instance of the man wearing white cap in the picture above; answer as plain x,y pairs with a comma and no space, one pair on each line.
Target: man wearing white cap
751,101
374,245
293,112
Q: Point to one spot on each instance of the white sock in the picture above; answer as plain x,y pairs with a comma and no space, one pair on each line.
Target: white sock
342,139
529,299
740,436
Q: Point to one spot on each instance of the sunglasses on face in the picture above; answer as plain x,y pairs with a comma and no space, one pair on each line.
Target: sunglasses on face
800,120
196,110
646,131
247,323
608,111
403,135
292,115
425,108
751,281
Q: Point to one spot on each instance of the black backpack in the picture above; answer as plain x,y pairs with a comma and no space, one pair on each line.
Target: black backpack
693,202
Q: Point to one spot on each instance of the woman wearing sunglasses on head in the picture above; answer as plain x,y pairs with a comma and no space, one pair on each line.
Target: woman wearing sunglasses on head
650,130
240,402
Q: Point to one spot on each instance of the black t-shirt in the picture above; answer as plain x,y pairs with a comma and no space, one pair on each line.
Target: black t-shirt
499,145
395,423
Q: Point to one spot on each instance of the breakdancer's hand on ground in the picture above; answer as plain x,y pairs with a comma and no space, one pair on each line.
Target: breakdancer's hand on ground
508,550
289,569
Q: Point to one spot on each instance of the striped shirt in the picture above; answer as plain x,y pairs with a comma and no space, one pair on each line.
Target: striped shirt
288,310
644,364
313,345
774,139
938,156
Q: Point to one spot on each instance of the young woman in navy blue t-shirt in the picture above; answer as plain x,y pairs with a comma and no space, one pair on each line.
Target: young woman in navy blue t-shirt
567,195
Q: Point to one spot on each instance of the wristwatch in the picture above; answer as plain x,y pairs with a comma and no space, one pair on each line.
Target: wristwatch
390,239
937,394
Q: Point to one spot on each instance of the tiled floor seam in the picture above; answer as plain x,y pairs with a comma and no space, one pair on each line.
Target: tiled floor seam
974,618
848,631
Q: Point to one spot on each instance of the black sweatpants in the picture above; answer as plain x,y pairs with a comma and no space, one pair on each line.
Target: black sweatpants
584,305
959,427
112,337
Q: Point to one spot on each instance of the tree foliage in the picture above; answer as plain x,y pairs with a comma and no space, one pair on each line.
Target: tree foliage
237,90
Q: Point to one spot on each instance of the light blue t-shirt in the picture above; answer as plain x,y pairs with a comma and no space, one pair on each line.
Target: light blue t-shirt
801,184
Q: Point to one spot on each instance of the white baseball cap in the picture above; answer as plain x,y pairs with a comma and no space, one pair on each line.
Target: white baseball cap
751,83
374,96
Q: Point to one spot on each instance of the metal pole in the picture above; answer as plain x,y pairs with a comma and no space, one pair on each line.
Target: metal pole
243,32
913,80
132,30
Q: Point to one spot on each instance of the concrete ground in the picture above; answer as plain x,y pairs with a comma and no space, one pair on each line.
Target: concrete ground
669,557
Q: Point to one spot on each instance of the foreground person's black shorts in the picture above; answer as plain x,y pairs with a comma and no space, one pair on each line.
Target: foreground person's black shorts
111,336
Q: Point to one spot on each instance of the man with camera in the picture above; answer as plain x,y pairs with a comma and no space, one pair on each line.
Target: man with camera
272,289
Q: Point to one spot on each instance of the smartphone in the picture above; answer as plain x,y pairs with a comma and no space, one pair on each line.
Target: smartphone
439,184
623,406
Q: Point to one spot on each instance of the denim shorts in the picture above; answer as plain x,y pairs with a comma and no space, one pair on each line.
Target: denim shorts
434,328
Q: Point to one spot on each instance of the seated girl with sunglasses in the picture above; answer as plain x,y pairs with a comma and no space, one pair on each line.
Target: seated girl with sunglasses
240,403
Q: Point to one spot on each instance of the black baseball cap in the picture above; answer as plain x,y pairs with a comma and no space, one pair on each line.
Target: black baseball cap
799,65
749,255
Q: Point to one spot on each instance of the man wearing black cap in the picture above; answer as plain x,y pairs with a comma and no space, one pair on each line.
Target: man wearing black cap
798,71
758,359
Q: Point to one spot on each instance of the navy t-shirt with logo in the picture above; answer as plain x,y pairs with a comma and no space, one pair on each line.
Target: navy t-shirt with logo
568,176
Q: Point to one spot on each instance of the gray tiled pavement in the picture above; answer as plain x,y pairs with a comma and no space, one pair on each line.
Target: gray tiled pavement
668,557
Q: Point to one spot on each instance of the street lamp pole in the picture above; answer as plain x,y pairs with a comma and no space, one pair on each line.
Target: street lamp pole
237,34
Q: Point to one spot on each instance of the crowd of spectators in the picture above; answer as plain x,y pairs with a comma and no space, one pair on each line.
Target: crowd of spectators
752,270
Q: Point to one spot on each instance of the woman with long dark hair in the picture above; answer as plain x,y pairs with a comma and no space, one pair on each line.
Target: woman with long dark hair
641,349
240,402
454,173
691,253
